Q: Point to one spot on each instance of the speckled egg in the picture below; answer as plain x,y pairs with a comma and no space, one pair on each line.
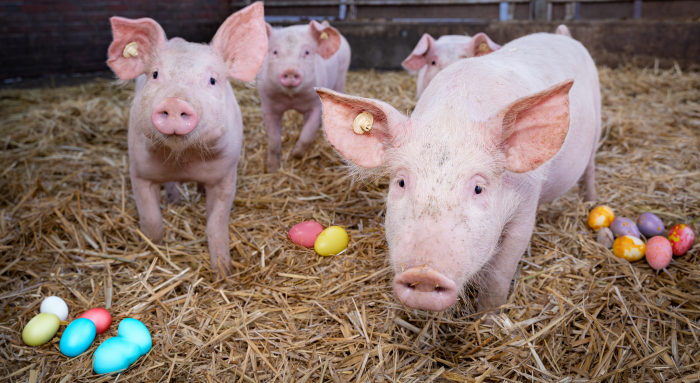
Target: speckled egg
624,226
681,237
305,233
659,252
600,216
650,225
629,248
605,237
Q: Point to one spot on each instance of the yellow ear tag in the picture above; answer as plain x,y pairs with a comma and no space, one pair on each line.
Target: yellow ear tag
131,50
324,35
363,123
483,47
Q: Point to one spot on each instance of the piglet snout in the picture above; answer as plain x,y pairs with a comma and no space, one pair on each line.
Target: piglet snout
425,288
291,78
174,116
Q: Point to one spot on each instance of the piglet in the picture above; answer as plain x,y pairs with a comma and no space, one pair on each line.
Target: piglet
490,139
430,56
299,58
185,123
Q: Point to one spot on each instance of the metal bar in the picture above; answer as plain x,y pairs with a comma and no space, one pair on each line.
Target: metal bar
316,3
637,9
503,11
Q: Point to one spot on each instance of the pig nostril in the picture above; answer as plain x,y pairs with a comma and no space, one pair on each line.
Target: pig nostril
183,115
439,289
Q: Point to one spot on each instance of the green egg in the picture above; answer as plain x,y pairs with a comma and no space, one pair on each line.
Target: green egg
40,329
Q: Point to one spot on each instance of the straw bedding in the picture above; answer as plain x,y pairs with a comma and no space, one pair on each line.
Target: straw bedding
69,227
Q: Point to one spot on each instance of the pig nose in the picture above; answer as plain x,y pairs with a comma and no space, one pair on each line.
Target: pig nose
290,78
174,116
425,288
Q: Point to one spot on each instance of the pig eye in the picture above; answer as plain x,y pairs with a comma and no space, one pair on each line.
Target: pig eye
212,81
306,52
402,183
274,52
478,189
155,75
433,63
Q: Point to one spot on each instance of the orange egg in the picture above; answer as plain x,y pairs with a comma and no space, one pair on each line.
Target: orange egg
601,216
629,248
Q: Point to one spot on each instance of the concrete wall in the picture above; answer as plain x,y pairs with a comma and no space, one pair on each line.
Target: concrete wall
383,45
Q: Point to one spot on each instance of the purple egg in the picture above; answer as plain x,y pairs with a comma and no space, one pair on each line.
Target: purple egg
624,226
650,225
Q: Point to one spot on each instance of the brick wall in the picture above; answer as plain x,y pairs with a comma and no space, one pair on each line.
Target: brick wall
42,37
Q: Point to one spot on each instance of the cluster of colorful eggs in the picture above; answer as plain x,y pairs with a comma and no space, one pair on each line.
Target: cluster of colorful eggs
326,242
622,235
113,355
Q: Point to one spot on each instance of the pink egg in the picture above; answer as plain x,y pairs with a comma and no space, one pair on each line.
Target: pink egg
681,237
659,252
100,317
305,233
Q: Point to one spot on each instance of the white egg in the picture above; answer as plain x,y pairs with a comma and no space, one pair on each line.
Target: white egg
55,305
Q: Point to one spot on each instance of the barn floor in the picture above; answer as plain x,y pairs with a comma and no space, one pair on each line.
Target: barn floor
68,227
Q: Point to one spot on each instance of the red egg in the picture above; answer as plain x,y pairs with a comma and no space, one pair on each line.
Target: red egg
305,233
681,237
100,317
659,252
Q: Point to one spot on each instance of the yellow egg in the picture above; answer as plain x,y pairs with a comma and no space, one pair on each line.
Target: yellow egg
601,216
40,329
331,241
629,248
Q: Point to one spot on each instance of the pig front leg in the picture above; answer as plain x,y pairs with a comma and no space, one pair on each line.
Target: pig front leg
496,275
219,202
586,184
273,123
312,121
147,196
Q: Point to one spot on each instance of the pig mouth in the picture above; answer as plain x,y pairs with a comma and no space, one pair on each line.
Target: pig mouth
425,288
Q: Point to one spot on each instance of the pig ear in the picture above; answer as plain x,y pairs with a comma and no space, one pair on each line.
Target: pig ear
563,30
532,129
365,150
269,30
134,42
481,45
242,42
328,38
417,59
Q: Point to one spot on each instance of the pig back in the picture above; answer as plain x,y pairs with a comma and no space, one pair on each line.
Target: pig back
481,87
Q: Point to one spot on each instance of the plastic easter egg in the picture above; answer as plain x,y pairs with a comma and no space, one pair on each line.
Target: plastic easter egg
100,317
600,216
305,233
136,332
629,248
331,241
41,329
650,225
659,252
55,305
605,237
624,226
681,237
77,337
115,355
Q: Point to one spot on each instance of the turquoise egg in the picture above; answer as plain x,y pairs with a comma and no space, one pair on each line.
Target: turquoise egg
77,337
115,355
135,331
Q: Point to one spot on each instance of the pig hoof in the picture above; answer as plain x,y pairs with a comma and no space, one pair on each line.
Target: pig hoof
272,167
172,194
